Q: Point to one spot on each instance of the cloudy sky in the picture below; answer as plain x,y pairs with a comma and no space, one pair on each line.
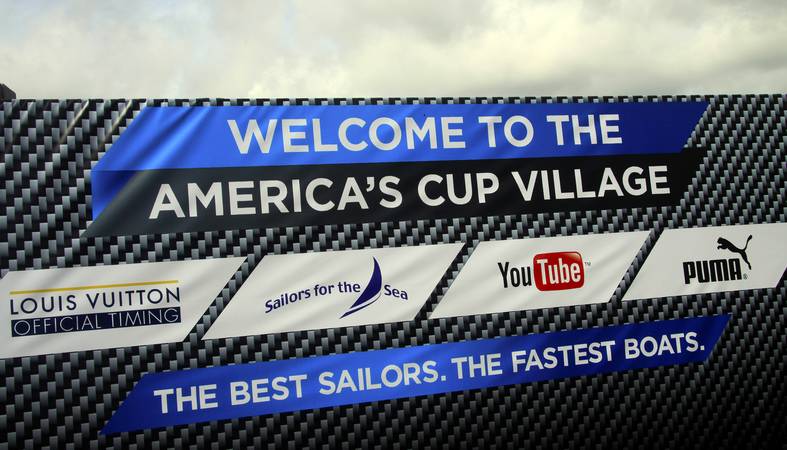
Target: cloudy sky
82,49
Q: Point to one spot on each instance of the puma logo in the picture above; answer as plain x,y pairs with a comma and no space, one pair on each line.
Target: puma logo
716,270
724,244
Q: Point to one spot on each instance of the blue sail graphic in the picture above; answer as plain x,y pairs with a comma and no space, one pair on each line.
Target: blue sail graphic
371,293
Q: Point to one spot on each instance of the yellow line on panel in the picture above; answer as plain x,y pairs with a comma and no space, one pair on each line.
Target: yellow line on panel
96,286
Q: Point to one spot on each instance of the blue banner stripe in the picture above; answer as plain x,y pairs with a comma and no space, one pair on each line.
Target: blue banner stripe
227,392
201,137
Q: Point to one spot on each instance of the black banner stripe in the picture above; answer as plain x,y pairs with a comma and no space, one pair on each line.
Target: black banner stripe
555,184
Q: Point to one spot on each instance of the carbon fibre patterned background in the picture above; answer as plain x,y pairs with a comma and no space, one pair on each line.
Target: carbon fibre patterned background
737,399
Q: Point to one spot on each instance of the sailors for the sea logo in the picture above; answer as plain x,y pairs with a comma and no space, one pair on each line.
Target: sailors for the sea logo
363,295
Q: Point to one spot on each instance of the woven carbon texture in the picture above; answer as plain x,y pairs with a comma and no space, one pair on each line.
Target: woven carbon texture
737,399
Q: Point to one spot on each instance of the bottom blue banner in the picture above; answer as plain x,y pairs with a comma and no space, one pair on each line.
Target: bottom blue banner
228,392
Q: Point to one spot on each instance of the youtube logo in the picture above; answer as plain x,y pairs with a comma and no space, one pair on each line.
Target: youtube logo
558,271
550,272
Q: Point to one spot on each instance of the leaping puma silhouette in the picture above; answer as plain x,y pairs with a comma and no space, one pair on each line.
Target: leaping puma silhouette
724,244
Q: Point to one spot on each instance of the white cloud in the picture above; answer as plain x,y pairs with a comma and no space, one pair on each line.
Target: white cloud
400,48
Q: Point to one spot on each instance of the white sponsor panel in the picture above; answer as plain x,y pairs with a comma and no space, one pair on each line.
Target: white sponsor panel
91,308
538,273
691,261
334,289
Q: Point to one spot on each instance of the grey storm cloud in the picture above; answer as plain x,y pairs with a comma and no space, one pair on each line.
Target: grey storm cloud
401,48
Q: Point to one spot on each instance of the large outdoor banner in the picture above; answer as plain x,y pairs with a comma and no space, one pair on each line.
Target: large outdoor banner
465,273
